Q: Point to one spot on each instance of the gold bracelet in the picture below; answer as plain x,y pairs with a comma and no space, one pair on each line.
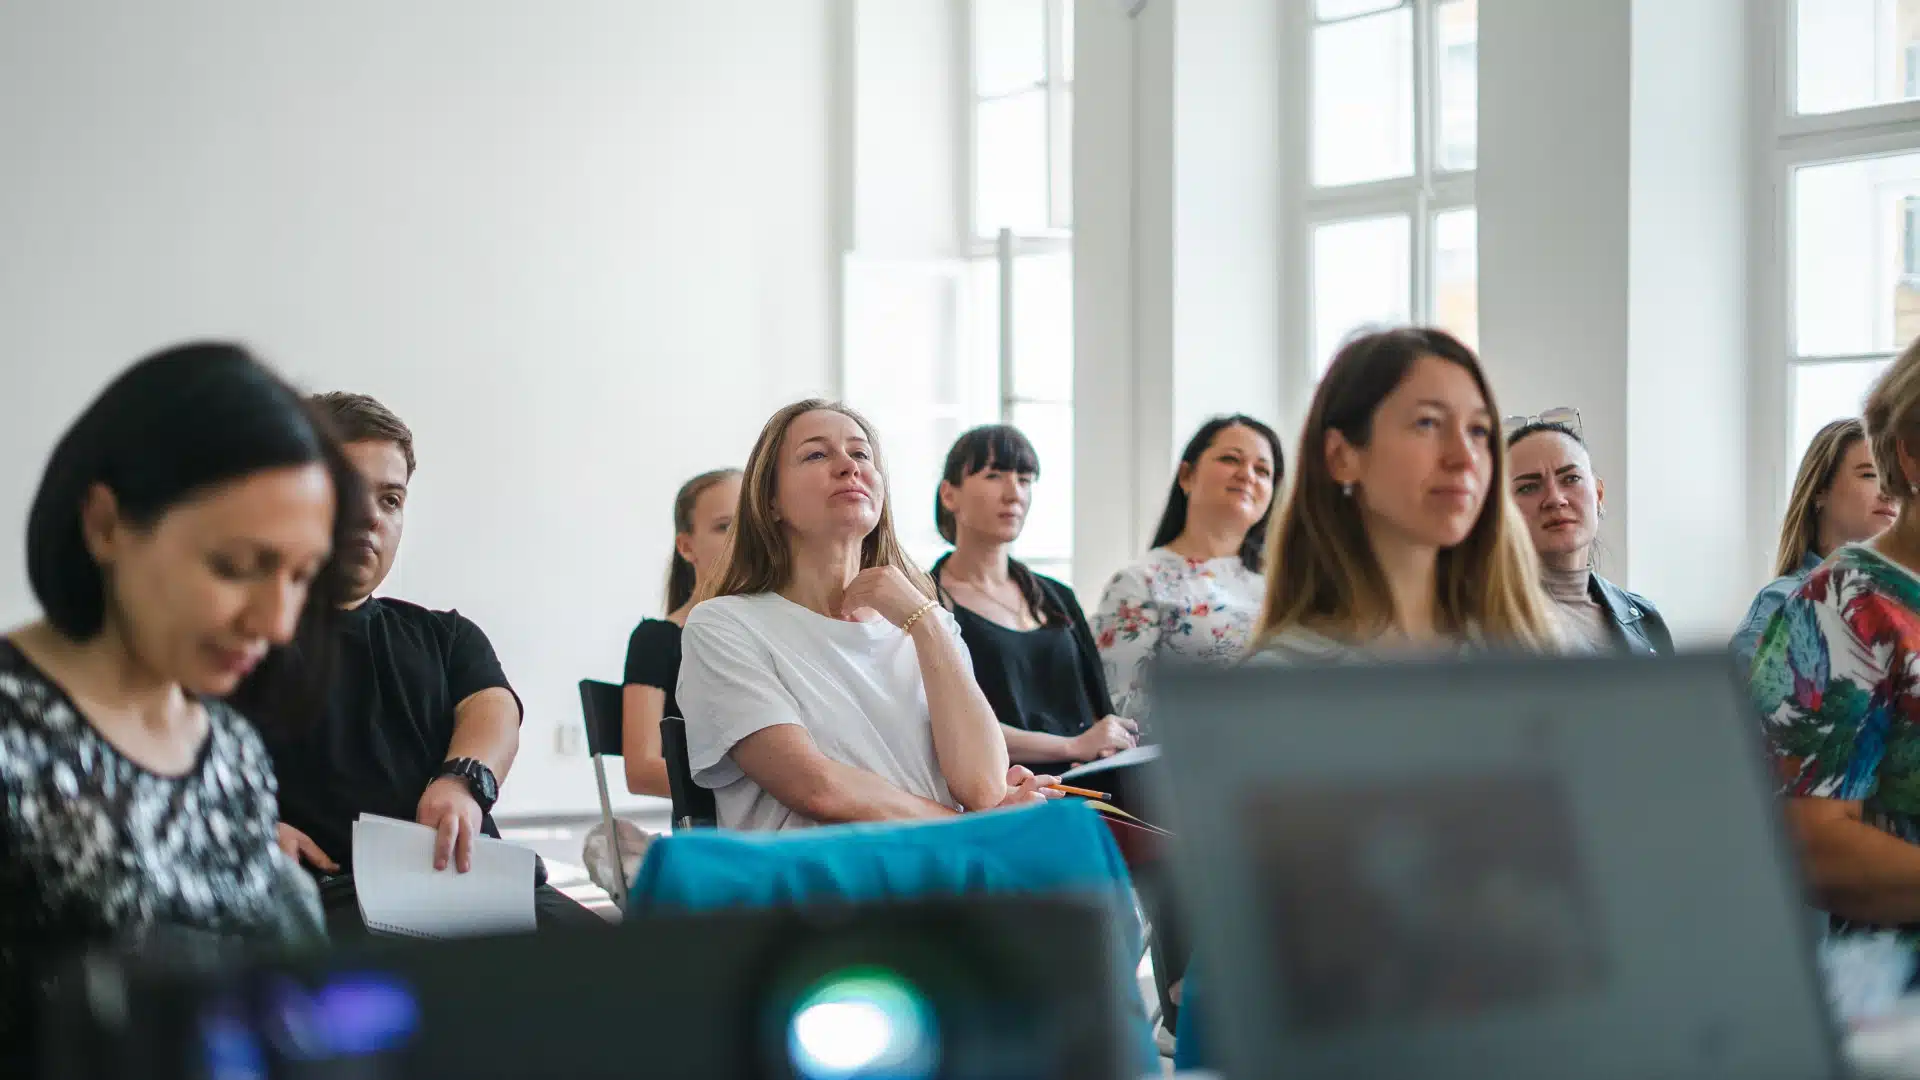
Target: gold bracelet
907,627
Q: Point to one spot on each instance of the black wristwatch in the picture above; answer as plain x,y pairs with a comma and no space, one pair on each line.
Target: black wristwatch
479,778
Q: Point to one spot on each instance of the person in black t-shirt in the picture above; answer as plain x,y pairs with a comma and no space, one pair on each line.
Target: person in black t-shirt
420,723
1033,654
702,516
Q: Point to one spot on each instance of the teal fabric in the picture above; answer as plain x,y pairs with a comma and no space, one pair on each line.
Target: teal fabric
1060,848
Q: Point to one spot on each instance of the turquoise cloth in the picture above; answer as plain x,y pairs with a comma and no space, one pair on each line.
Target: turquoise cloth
1060,848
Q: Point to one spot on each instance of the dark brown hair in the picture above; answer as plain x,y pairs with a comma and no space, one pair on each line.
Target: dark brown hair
1003,448
360,418
680,573
1173,519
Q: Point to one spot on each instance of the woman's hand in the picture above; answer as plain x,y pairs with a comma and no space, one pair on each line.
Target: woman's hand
1108,736
883,589
1026,789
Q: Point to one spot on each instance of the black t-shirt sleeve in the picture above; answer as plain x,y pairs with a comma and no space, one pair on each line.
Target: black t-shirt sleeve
653,655
471,663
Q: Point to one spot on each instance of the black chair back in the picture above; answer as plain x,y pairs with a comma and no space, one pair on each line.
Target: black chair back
693,806
600,705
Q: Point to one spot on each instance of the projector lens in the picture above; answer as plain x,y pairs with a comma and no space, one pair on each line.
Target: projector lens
863,1024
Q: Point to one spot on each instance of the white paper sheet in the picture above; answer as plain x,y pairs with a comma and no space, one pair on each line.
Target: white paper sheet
1120,760
401,893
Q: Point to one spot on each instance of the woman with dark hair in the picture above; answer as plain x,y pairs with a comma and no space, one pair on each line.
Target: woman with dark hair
184,534
1837,500
702,517
1397,536
1555,489
1197,591
1033,654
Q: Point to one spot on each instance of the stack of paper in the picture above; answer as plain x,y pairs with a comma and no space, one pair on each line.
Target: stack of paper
1124,759
401,893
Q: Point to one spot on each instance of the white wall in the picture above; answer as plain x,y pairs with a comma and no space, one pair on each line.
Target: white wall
582,249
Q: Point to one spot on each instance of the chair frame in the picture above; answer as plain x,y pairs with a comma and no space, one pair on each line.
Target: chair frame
589,712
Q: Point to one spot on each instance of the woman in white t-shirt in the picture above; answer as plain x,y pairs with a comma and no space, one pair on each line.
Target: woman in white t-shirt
821,681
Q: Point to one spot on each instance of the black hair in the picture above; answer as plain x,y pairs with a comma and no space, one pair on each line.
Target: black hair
1551,427
1173,520
168,428
1002,448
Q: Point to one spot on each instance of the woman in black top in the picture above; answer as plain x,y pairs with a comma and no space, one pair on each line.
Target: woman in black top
702,515
1033,655
184,532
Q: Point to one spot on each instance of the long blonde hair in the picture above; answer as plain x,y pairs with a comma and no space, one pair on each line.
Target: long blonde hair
1322,575
1819,466
759,554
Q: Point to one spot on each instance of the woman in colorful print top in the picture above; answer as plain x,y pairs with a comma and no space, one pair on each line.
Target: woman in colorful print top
1837,682
1198,591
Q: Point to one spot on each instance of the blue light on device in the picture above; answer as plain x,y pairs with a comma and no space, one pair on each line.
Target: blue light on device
863,1024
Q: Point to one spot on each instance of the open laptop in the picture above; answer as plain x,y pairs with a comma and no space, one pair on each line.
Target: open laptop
1539,867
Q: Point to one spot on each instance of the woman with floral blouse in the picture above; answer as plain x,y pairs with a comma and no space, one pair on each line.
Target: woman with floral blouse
1837,681
1196,594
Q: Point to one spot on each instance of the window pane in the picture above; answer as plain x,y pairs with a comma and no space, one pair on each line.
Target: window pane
1010,178
1363,99
1856,53
1340,9
1458,51
1049,531
1362,277
1009,45
1825,392
1456,274
1853,241
1043,327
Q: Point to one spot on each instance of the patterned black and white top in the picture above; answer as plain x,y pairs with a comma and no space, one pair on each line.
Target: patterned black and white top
96,849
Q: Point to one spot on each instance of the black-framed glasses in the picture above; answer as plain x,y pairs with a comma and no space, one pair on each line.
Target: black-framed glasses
1564,416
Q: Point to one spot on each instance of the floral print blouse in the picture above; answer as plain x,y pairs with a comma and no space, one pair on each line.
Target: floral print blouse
1170,605
1835,680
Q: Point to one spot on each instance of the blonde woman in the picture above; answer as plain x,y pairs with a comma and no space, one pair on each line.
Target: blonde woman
1837,681
821,680
1398,536
1837,500
702,519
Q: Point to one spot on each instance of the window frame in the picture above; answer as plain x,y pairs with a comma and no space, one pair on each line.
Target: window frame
1427,192
1792,140
1006,246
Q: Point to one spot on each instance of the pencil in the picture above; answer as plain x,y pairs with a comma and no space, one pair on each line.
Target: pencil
1080,791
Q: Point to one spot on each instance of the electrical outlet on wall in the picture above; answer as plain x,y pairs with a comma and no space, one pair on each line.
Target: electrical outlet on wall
570,740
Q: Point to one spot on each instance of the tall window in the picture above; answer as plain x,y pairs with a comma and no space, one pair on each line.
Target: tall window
1393,138
1848,141
1020,227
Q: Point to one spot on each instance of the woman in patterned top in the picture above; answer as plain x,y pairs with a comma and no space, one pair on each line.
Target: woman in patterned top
1837,681
1398,536
1837,500
183,531
1195,594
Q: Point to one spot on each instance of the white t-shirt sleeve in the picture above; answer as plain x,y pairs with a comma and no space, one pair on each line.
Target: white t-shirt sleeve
728,690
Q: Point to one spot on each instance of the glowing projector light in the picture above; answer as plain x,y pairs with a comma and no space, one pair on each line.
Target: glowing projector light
863,1025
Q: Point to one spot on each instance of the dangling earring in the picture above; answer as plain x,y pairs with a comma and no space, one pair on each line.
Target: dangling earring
1347,489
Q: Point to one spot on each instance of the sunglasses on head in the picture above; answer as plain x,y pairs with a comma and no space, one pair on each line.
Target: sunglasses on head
1565,416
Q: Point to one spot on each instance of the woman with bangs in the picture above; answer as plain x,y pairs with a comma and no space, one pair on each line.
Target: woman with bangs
1033,654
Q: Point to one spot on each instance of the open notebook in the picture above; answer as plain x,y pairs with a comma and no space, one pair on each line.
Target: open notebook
401,893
